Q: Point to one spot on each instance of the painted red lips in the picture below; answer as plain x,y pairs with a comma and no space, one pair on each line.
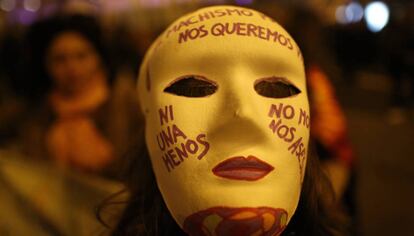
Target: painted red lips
242,168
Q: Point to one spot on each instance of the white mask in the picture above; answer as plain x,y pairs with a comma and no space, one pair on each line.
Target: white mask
224,95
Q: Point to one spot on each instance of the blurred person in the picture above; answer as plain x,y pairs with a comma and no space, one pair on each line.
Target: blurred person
82,116
329,128
328,122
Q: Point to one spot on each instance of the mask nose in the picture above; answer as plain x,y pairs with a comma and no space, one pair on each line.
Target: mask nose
239,127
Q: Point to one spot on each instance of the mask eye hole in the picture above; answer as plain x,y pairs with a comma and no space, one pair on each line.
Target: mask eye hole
192,86
275,87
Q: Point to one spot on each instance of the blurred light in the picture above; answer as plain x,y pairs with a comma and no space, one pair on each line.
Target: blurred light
214,1
354,12
7,5
25,17
118,5
340,15
182,1
31,5
244,2
151,3
49,9
376,16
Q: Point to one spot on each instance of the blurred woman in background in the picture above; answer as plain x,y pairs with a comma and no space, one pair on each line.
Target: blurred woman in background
81,116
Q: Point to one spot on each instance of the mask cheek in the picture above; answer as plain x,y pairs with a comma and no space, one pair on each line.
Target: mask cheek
172,142
288,125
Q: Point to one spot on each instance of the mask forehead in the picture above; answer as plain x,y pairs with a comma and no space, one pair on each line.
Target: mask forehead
234,38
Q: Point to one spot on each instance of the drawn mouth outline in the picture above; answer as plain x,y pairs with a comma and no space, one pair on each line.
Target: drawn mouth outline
242,168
